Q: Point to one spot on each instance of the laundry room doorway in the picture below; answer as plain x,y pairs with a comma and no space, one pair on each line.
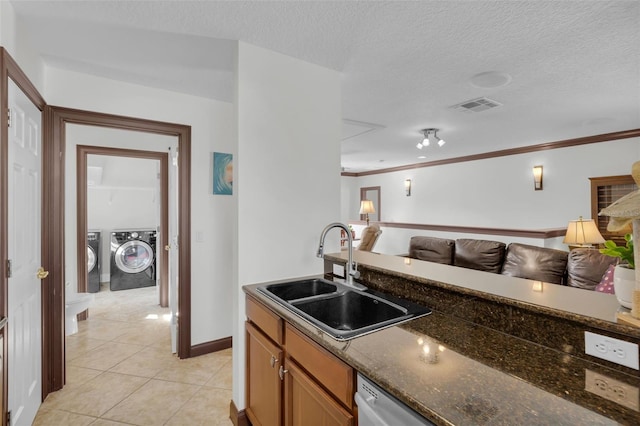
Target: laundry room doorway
104,133
123,201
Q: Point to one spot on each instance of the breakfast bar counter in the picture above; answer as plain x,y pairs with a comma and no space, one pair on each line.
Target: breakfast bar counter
457,369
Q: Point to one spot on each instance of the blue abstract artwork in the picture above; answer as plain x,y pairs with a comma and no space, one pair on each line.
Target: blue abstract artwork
222,173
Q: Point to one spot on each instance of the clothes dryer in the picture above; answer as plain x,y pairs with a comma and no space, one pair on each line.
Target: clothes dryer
132,259
93,261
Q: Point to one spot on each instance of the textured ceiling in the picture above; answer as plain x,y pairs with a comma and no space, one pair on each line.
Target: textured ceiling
574,65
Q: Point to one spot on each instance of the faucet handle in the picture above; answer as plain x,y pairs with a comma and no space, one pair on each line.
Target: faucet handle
353,270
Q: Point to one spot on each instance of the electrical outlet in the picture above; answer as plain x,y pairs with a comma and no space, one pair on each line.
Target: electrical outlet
610,349
612,389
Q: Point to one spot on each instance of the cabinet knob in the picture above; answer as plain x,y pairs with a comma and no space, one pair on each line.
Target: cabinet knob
282,372
273,361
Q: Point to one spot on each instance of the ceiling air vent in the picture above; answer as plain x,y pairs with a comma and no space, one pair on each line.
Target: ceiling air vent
476,105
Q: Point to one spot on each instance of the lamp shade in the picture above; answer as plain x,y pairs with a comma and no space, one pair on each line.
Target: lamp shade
366,207
582,232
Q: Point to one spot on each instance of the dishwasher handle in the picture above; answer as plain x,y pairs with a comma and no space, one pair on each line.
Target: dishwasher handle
367,415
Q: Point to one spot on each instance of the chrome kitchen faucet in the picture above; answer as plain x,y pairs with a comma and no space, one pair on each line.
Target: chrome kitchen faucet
352,268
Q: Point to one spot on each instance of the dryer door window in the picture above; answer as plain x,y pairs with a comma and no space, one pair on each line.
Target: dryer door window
92,259
134,256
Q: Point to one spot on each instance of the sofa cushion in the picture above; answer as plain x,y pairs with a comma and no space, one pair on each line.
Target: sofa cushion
585,267
482,255
439,250
535,263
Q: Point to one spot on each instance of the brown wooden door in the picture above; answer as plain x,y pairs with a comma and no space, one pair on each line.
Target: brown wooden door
307,404
263,384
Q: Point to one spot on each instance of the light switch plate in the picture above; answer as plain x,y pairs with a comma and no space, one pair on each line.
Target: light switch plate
610,349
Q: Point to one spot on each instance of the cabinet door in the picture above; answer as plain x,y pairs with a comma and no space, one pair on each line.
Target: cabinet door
263,384
336,376
307,404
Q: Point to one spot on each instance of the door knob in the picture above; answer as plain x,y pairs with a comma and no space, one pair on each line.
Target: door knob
41,273
167,247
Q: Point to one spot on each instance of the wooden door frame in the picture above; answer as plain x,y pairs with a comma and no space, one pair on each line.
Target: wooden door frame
55,119
82,151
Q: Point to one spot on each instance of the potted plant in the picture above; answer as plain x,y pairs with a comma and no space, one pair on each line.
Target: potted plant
624,275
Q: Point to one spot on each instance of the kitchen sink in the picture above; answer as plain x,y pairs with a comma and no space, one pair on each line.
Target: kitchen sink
350,310
340,310
301,289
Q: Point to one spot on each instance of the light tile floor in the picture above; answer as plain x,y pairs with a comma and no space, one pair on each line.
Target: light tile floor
120,370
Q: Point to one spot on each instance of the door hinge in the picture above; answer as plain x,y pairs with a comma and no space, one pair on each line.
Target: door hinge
8,268
8,117
8,417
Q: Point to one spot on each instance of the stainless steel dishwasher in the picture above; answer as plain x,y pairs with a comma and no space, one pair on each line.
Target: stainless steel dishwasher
377,408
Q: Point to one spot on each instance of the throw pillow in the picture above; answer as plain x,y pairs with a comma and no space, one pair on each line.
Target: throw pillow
606,283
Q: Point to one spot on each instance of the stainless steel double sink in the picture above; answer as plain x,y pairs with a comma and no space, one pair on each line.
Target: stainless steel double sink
340,310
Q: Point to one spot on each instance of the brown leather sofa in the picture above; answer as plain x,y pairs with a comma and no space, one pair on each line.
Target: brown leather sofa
581,268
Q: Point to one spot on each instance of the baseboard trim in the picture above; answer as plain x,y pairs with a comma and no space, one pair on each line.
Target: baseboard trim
237,417
210,347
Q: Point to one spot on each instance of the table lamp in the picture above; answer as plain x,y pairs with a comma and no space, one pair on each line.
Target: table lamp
582,234
366,207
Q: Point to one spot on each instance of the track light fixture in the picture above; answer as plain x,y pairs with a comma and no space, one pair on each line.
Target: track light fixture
427,134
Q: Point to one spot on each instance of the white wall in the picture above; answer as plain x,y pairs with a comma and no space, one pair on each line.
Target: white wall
289,123
493,193
17,41
7,27
211,216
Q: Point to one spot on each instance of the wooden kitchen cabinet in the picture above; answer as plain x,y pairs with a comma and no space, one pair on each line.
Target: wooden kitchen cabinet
264,386
264,357
291,380
306,403
335,376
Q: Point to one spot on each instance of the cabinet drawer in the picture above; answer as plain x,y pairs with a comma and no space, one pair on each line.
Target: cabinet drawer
265,319
336,376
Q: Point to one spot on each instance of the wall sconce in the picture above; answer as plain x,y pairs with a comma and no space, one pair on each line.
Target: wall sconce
537,178
407,187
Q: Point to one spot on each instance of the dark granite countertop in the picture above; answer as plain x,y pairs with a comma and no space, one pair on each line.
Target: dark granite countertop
480,376
587,307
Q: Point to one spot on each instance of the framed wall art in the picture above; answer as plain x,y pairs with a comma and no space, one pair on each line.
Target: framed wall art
222,173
